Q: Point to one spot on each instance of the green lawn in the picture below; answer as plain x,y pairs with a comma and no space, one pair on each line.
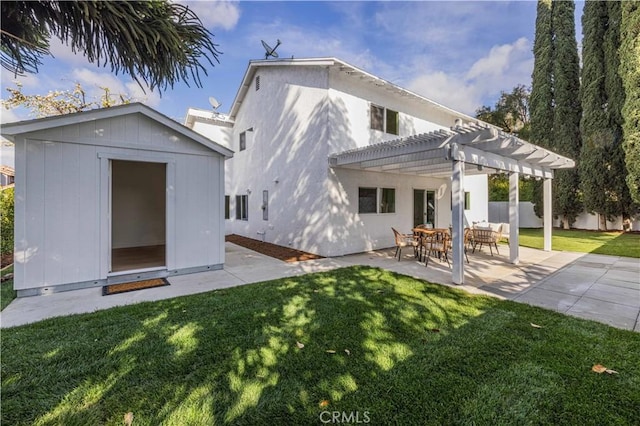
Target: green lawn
611,243
418,353
7,294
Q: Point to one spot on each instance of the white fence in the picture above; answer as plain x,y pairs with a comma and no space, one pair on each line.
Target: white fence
499,212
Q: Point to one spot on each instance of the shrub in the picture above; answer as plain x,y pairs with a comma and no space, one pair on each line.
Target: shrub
6,220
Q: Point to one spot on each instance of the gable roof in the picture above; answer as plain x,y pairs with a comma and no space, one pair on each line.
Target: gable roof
342,66
10,130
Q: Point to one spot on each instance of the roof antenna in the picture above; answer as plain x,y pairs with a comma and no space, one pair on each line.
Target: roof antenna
269,51
214,103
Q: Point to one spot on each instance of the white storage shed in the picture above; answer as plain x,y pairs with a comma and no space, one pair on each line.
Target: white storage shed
113,195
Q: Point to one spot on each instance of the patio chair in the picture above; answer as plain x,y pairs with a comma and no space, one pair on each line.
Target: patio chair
405,240
440,244
486,236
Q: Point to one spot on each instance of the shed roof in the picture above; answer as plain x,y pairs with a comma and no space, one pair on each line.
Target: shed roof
431,154
10,130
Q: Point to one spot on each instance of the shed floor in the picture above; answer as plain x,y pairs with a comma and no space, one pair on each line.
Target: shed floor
132,258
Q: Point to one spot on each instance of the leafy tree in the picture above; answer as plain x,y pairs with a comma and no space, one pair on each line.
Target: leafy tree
602,168
156,42
58,102
511,113
630,74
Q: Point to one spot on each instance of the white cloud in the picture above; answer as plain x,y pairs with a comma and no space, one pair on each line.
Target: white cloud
27,80
501,69
448,90
9,116
216,14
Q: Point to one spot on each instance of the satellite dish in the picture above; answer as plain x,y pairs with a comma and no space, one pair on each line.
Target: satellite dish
269,51
214,103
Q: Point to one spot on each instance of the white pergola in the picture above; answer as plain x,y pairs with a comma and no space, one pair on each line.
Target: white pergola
465,149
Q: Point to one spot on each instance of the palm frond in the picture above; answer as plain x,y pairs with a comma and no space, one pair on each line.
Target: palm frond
157,43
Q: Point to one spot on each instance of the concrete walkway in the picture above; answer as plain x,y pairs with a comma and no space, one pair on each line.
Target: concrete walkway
596,287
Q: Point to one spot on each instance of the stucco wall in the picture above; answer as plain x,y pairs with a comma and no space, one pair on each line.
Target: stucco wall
297,118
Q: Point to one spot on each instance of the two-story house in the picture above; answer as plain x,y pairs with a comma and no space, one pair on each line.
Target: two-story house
329,157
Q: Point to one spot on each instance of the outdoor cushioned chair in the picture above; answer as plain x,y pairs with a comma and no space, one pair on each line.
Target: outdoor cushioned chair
405,240
486,236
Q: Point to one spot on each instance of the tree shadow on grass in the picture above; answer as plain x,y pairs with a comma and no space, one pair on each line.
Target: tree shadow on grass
405,352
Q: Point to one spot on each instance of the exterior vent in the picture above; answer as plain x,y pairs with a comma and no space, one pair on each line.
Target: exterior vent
257,82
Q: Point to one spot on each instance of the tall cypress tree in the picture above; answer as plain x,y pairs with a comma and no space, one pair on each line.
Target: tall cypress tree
541,100
567,110
630,74
600,124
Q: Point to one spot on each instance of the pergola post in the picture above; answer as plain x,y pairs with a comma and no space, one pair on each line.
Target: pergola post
457,212
548,213
514,218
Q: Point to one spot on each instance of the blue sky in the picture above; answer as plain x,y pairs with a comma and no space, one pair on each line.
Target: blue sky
459,53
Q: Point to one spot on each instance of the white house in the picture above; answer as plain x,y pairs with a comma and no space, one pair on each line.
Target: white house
286,120
329,158
111,195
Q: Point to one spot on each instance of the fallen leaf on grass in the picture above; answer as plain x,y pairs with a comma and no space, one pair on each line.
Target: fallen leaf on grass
299,345
330,351
379,291
535,325
347,351
128,418
598,368
324,403
435,330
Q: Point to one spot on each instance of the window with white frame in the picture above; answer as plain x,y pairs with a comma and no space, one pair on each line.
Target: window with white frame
384,120
467,200
376,200
242,204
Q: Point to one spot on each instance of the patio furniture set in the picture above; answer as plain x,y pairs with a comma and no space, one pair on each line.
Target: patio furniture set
428,241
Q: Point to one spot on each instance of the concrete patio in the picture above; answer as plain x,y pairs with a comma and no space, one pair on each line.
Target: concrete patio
595,287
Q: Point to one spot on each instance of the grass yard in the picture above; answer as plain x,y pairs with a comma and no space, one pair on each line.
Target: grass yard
611,243
406,352
7,294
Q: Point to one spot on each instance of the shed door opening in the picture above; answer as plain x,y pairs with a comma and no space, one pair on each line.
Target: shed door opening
138,215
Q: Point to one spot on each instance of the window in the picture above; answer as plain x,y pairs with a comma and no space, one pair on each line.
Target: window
376,200
242,202
265,205
384,119
388,200
243,141
367,200
392,122
467,200
257,82
227,207
377,118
